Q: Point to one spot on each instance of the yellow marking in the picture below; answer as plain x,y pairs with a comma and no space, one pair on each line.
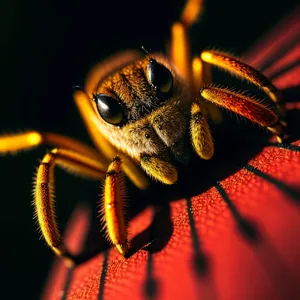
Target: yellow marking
206,56
195,109
34,138
47,158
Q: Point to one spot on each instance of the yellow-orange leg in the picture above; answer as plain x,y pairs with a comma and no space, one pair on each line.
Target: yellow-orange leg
200,133
113,211
159,169
240,69
246,107
191,12
13,143
44,191
179,45
180,50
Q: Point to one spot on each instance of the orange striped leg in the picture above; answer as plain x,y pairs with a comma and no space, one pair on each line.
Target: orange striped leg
113,213
246,107
244,71
113,210
200,133
44,191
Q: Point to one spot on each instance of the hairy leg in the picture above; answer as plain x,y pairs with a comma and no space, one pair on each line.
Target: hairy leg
242,70
113,209
73,162
200,133
246,107
159,169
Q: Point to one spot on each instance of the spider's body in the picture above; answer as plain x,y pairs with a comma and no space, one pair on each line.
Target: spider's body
142,111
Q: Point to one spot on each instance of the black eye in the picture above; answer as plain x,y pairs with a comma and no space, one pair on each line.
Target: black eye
111,110
160,77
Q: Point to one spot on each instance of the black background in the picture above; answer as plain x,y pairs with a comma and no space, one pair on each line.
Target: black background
46,47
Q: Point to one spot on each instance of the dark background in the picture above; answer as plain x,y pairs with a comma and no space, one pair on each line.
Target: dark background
46,47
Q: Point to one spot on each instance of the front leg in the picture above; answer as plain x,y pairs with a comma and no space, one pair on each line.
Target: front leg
113,213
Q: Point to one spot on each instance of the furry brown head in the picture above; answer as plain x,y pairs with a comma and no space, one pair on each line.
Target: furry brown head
143,106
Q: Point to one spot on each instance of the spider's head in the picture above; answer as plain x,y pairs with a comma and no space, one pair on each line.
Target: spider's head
142,106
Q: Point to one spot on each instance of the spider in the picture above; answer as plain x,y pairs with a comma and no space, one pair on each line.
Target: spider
141,110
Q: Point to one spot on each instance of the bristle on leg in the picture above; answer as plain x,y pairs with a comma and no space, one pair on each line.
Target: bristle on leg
247,107
244,71
113,207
